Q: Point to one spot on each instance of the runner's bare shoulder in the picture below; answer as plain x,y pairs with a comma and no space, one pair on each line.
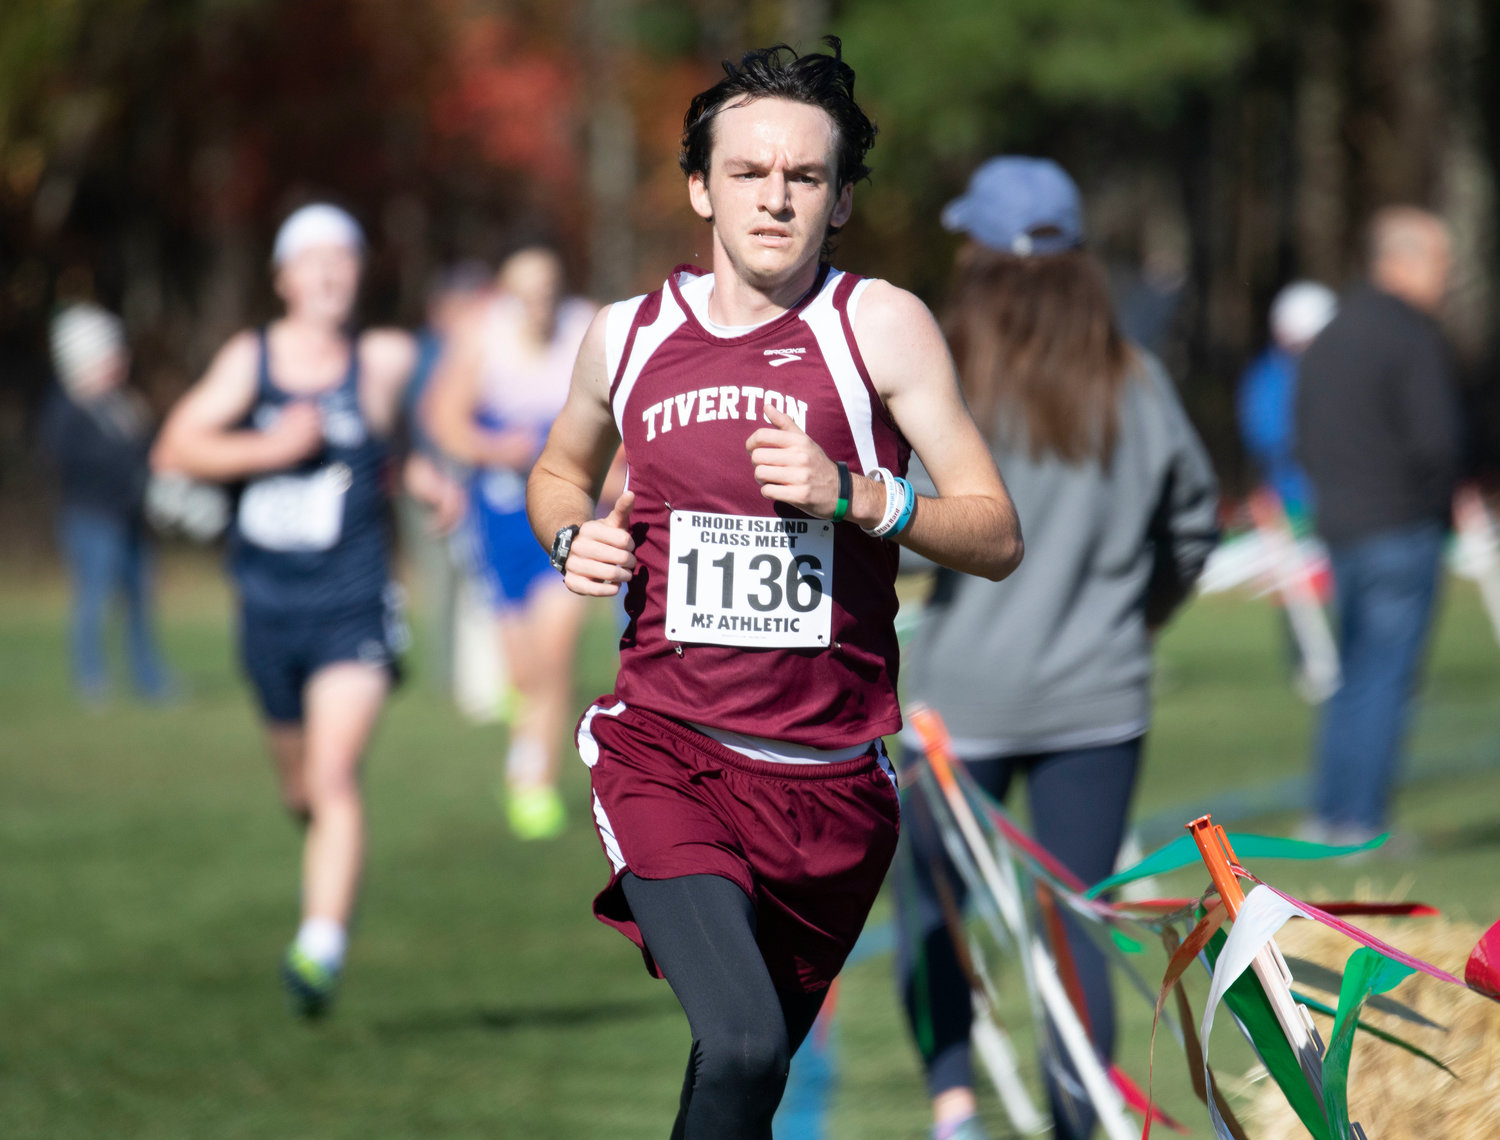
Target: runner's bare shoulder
227,388
591,369
387,359
388,353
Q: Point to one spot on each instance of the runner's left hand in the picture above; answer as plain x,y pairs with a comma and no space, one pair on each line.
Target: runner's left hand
791,468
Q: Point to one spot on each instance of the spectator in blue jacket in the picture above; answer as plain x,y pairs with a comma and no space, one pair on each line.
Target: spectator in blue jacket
1268,391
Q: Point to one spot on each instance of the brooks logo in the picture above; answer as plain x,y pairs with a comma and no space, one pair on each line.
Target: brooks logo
784,355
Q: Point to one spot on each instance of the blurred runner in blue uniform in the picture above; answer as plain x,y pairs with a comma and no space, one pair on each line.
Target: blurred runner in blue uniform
299,413
492,403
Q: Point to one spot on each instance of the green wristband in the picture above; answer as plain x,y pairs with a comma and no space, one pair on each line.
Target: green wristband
846,491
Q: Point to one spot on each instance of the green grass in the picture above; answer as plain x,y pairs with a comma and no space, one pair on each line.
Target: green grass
148,884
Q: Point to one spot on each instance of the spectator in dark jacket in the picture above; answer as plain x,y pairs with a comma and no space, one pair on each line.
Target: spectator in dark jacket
1378,433
97,433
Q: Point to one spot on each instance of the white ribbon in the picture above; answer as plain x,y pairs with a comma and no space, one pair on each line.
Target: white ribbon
1261,915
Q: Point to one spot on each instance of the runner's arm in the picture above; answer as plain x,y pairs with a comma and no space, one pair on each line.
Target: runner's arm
451,399
387,361
567,476
201,437
971,525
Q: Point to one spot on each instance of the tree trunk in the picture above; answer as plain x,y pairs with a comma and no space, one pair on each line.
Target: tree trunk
611,153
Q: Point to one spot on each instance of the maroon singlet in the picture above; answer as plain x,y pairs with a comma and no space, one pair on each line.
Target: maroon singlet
685,401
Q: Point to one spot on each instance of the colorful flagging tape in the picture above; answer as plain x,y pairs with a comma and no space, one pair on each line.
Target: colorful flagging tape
1020,890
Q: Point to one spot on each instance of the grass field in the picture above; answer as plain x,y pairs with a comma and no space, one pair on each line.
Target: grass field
148,884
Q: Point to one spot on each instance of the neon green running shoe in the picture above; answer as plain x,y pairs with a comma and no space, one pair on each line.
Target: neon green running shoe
512,706
310,986
535,813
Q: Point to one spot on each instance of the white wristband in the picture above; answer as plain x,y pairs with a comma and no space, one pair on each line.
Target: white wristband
895,502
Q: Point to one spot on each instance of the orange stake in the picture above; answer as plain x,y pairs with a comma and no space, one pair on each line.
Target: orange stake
1214,846
935,743
1269,965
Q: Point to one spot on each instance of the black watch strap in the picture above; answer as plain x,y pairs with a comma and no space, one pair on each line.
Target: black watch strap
562,546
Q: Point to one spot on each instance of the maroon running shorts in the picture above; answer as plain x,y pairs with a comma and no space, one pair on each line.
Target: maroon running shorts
809,844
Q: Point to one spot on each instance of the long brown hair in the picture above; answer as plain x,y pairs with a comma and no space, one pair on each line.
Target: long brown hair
1039,353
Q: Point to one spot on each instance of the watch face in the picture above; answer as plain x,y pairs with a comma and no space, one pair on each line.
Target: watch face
562,544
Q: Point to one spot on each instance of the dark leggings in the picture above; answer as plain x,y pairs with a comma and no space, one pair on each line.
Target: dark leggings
701,931
1079,800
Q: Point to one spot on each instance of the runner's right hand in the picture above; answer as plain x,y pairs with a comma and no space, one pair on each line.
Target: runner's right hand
296,434
603,554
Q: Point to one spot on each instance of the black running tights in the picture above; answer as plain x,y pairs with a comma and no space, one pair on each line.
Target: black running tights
701,931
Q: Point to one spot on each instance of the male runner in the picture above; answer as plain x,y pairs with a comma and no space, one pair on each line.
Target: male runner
767,409
299,413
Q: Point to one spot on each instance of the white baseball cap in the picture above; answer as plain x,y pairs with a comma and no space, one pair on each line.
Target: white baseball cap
320,223
1301,311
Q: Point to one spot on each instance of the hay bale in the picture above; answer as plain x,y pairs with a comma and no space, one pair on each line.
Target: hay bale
1391,1093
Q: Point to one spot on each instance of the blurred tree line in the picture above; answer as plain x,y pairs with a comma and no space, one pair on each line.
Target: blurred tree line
149,148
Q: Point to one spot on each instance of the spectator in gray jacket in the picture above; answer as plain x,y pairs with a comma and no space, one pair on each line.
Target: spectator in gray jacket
1048,673
1378,429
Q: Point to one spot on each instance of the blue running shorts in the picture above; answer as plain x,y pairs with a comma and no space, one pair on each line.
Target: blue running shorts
281,652
507,557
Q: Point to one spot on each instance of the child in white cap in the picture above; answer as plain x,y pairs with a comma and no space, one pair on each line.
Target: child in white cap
1268,391
97,433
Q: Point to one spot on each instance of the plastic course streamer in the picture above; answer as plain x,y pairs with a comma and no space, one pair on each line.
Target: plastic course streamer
1183,852
1263,913
1367,973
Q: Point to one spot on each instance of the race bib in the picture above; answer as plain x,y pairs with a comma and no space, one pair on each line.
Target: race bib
296,513
748,580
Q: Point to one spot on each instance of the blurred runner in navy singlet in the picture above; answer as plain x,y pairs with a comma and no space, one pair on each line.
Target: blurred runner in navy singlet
298,414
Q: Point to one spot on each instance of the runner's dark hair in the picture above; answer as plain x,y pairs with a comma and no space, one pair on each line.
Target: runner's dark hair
778,72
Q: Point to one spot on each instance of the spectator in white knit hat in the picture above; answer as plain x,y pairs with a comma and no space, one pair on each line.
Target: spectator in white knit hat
97,433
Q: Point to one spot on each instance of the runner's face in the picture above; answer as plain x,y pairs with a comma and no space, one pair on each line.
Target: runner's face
320,282
534,277
771,188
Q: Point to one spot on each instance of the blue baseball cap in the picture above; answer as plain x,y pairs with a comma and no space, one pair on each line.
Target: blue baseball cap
1019,205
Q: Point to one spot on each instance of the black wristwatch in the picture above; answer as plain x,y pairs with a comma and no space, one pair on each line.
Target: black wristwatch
562,546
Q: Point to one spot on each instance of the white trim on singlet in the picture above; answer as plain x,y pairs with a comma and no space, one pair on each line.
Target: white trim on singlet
648,339
827,325
617,332
855,294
